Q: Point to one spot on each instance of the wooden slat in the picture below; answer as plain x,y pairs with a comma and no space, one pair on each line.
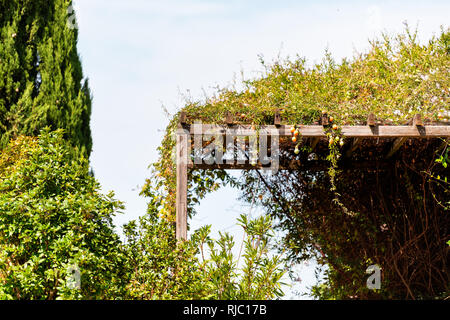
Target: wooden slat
371,121
295,164
417,121
277,118
348,131
324,121
229,118
182,117
181,199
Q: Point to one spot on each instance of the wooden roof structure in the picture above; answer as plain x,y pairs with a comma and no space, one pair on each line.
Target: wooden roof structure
393,136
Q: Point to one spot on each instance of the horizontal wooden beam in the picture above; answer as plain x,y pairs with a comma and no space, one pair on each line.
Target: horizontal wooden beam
429,131
315,165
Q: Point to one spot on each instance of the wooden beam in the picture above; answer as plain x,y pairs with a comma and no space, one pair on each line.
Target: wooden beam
181,199
316,165
229,119
417,121
324,121
277,118
182,117
312,131
371,121
395,146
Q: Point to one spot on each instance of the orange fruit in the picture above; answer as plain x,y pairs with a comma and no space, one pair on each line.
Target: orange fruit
296,133
292,129
294,139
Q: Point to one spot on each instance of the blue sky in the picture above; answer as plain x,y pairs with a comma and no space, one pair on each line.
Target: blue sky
142,54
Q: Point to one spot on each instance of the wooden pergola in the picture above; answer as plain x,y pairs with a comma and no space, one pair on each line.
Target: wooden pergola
186,133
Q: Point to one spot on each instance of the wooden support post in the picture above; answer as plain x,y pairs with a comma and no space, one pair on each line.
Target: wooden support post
181,200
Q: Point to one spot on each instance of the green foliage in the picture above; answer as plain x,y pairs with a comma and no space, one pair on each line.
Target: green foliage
52,217
161,269
443,159
200,268
41,79
259,277
395,218
397,78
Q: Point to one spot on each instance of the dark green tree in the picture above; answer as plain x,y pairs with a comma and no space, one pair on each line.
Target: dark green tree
41,78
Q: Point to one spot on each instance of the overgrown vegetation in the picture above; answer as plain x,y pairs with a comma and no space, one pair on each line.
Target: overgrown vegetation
54,220
395,216
201,268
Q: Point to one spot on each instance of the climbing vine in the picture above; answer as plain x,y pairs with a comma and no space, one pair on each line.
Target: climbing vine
394,215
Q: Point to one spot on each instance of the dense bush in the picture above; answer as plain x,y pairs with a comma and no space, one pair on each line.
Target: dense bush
53,221
200,268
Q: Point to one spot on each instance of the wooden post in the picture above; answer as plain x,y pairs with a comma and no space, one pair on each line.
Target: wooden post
183,117
324,119
229,118
277,118
181,200
417,120
371,120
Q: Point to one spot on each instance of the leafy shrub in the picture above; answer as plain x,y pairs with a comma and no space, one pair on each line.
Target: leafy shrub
54,220
200,268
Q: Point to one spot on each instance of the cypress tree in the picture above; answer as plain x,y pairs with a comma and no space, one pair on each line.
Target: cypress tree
41,78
